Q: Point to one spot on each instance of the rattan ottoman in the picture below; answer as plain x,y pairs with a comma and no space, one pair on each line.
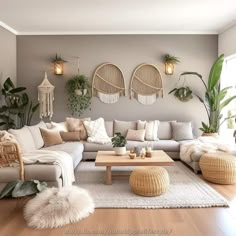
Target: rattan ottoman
219,167
149,181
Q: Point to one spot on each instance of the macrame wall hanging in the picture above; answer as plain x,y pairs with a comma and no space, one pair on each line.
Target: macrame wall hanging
46,97
146,84
108,83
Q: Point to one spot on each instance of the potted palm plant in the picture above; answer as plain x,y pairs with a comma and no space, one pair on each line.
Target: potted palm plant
215,98
118,143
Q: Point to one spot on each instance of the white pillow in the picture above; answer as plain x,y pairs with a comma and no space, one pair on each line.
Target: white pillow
58,126
151,128
96,131
24,138
37,137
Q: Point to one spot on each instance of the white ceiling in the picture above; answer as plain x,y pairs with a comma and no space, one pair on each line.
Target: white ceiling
117,16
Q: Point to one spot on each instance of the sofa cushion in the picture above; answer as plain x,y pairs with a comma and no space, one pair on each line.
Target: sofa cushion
74,124
24,138
51,137
35,132
123,126
94,147
75,149
166,145
165,130
109,128
70,136
61,126
182,131
136,135
96,131
40,172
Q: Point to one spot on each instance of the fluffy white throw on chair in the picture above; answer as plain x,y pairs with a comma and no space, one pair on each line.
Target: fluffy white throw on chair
63,159
202,145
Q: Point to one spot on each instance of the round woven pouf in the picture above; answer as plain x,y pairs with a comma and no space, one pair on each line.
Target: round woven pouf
149,181
218,168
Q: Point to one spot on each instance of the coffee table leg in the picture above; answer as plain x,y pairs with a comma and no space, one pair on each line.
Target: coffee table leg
108,176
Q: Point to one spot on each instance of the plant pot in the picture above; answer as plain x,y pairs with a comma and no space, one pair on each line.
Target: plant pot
210,134
79,92
120,151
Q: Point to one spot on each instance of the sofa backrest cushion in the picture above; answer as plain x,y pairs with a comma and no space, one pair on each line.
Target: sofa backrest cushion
36,134
151,128
123,126
165,130
109,128
182,131
61,126
24,138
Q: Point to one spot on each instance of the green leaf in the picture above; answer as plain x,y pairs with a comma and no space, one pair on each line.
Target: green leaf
24,189
215,72
35,107
7,190
173,90
8,84
226,102
17,90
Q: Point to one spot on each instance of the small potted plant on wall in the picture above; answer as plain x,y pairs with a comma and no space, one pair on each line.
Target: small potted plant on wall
118,143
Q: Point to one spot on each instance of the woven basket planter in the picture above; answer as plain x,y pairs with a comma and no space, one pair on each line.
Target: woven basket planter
149,181
218,168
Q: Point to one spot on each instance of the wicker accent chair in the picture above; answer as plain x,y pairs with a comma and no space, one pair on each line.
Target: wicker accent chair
10,155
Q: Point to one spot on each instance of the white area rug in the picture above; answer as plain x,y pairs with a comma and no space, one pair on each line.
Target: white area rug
186,190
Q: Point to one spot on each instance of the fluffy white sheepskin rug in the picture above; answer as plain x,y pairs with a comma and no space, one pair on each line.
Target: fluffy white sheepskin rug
56,207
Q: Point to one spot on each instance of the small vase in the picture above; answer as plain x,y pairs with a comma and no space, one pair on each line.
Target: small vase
120,151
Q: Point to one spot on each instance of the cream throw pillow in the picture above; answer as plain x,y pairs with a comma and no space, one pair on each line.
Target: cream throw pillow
35,132
136,135
74,124
24,139
51,137
96,131
151,128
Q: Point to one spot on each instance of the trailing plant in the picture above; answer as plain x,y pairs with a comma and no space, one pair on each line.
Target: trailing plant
171,59
19,188
79,94
17,110
184,94
118,140
58,59
215,98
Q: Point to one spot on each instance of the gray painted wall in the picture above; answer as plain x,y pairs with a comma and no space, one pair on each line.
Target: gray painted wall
7,55
227,41
196,52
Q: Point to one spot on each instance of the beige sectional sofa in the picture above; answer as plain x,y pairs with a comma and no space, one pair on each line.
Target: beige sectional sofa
84,150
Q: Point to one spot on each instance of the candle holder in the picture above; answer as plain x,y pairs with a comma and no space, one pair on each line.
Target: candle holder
58,65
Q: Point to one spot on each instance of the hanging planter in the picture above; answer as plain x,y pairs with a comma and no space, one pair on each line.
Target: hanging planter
184,94
79,92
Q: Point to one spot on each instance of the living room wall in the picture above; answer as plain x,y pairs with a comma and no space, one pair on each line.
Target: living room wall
7,55
196,52
227,41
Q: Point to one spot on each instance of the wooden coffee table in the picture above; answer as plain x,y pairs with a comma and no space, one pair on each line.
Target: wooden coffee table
109,159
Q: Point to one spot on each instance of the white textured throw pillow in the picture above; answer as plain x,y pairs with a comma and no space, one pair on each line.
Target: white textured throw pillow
96,131
35,132
24,138
182,131
151,128
136,135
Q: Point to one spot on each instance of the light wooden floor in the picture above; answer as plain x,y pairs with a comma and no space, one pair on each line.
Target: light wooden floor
175,222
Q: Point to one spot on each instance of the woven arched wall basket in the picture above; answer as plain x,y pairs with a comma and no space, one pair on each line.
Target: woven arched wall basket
108,83
146,84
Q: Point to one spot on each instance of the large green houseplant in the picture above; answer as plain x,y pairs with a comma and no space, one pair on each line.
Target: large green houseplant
17,109
215,98
79,94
